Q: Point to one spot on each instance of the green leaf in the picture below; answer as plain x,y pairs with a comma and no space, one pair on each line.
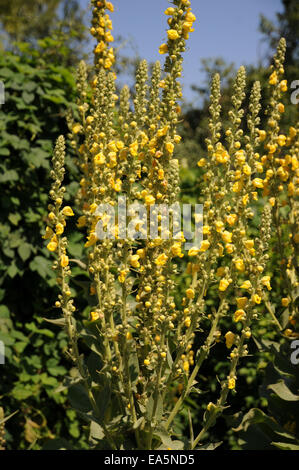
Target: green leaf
14,218
78,398
283,391
12,270
24,251
285,445
9,175
21,393
96,433
41,265
4,312
27,97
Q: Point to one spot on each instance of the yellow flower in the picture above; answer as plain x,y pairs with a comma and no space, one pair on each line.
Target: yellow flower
117,185
52,245
109,37
59,229
285,301
93,207
169,147
249,244
271,148
146,362
134,148
273,78
262,135
220,249
169,11
134,260
223,285
109,6
94,316
81,221
246,170
239,263
205,244
122,276
176,250
240,157
245,199
67,210
237,186
48,234
281,140
241,302
246,285
163,49
229,339
239,315
210,406
173,34
231,219
201,162
76,128
266,282
219,225
256,299
226,236
280,107
161,132
222,156
190,17
99,159
91,240
141,253
229,248
231,383
193,251
283,85
161,174
161,260
292,132
190,293
258,183
64,261
149,200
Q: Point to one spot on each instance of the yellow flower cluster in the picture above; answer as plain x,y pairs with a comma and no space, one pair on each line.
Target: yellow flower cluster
101,30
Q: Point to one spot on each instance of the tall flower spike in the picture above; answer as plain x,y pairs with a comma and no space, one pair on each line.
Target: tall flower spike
140,101
234,133
101,30
58,243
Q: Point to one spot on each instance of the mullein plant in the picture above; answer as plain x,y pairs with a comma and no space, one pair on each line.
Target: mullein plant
140,337
280,165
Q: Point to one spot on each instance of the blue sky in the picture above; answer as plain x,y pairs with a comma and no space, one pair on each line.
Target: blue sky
224,28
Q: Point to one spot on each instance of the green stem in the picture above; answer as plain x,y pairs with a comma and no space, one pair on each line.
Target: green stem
204,351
